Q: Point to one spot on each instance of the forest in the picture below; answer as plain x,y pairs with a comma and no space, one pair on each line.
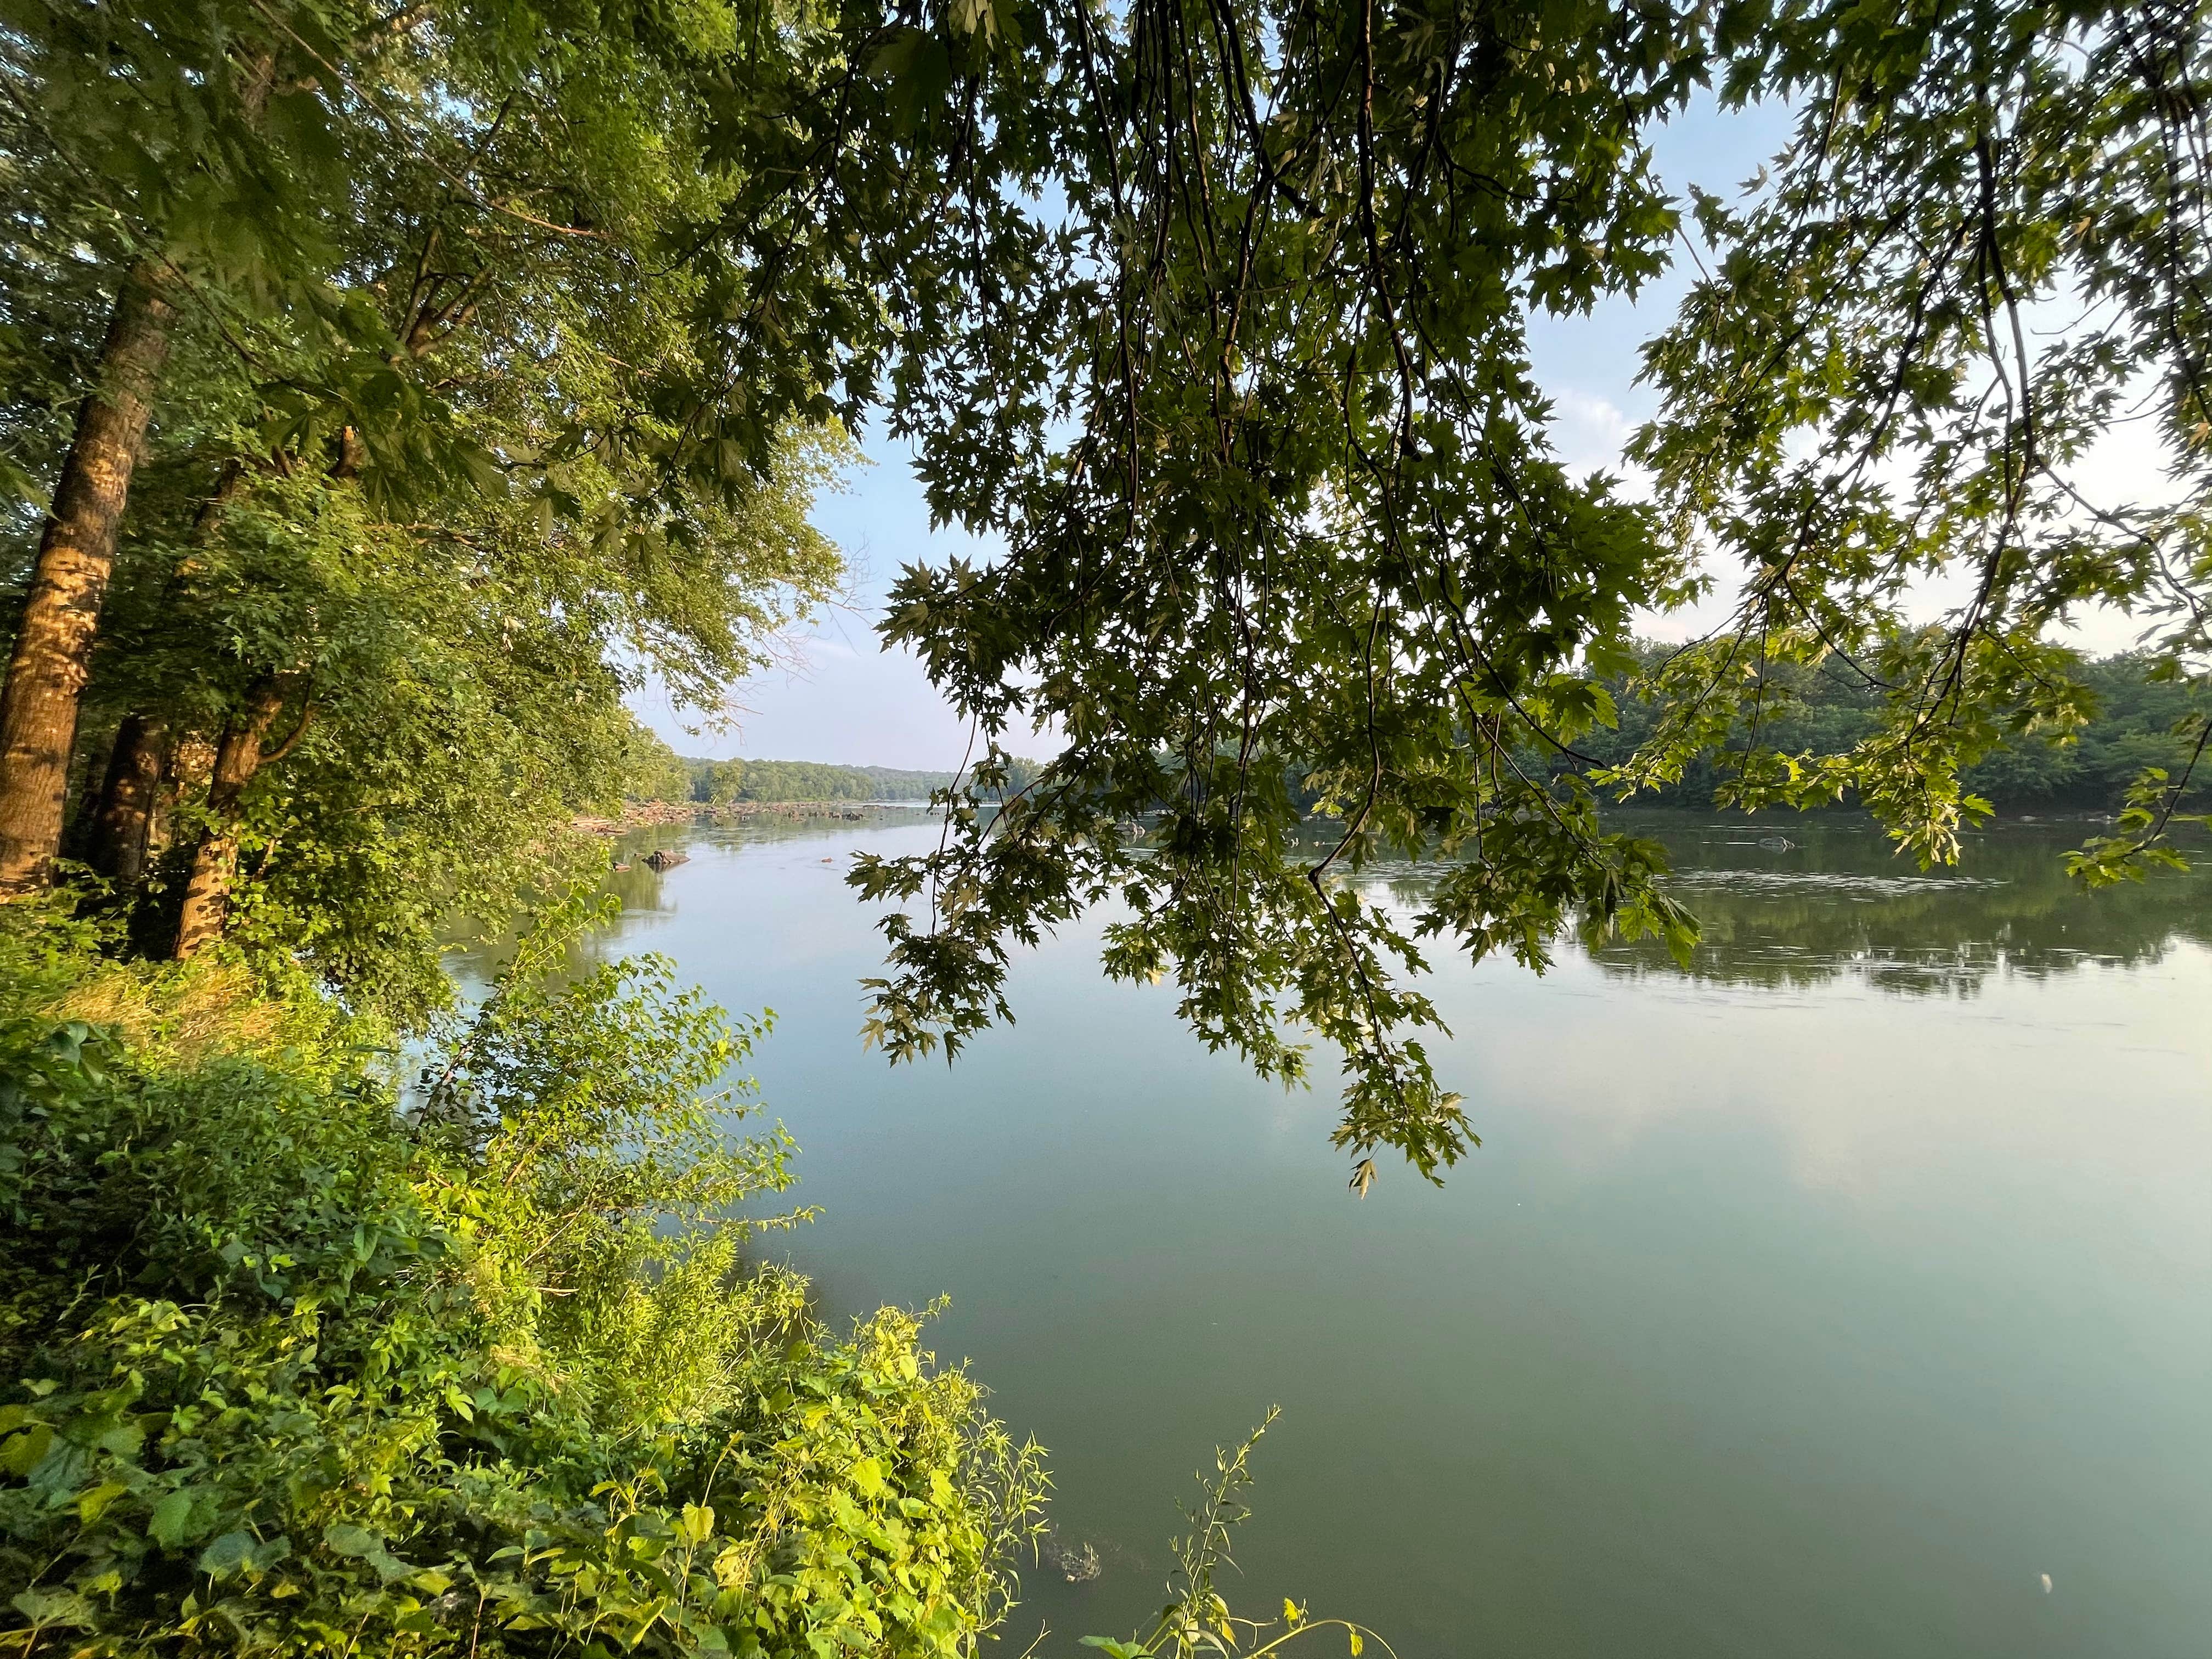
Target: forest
390,393
719,782
2133,722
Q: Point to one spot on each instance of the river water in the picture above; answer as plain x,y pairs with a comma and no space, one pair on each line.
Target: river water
1818,1300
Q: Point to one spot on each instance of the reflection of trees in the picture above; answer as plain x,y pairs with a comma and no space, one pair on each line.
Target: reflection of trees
1836,904
633,881
1841,905
639,888
474,959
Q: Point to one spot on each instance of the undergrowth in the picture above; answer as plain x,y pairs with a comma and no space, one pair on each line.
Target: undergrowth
295,1359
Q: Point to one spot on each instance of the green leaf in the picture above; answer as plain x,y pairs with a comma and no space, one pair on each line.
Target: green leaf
173,1523
343,1538
23,1452
234,1550
92,1503
46,1607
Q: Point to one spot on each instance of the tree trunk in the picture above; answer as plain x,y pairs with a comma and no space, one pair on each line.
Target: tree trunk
121,827
77,551
88,765
237,758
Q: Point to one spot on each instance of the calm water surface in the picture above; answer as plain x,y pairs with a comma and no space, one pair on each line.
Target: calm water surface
1816,1301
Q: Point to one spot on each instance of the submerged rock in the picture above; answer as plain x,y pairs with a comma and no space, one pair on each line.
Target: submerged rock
1078,1562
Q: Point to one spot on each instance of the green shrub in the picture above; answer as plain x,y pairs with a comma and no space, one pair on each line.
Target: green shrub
290,1364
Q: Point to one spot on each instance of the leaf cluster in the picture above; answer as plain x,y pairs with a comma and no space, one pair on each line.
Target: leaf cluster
290,1369
1306,548
1306,525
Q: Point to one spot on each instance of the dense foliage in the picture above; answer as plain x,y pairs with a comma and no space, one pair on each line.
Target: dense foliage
284,1368
2131,721
727,781
651,771
1971,280
1307,521
388,390
418,507
477,363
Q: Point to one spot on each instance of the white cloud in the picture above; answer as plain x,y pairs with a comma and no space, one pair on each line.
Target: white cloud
1590,430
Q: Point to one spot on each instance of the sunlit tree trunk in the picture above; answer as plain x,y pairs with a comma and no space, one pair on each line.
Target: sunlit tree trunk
237,760
52,657
76,552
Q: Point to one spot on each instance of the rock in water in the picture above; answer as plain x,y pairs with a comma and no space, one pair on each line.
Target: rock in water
667,857
1078,1563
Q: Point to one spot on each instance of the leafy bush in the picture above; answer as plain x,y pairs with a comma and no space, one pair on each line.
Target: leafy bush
288,1365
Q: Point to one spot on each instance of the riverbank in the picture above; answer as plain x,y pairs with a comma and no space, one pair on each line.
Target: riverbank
343,1262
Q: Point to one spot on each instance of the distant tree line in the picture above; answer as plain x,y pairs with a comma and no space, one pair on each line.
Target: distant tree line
723,782
651,771
2137,721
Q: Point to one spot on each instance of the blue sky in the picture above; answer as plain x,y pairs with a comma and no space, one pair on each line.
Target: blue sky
842,700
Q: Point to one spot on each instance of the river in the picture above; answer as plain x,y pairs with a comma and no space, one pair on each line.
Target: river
1818,1300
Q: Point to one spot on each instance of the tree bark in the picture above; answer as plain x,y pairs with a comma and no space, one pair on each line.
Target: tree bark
87,766
237,758
122,824
76,552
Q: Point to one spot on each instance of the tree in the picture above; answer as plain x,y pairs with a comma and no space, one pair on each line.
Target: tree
441,706
652,771
555,392
700,206
1308,525
1216,314
182,122
1309,521
1854,409
1824,709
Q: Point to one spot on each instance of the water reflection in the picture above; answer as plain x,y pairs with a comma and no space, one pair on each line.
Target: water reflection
1829,902
638,885
473,959
1765,1322
1788,903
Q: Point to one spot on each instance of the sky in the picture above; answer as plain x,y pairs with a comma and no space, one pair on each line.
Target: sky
840,699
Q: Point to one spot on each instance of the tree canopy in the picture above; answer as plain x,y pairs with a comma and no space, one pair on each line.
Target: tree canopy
1308,521
390,389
